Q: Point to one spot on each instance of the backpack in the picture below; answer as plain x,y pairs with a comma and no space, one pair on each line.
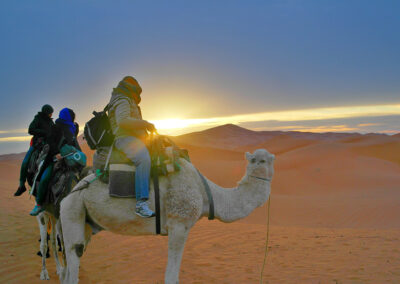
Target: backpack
98,132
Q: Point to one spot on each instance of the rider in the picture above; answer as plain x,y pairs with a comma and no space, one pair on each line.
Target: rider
40,129
63,132
130,132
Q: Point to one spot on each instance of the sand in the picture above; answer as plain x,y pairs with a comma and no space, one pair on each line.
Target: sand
335,208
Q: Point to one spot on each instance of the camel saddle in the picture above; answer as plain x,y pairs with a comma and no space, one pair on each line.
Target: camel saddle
121,171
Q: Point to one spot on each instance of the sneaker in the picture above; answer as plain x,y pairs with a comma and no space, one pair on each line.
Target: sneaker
143,210
36,210
21,189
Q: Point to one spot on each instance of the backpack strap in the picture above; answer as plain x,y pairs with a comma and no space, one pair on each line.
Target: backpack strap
106,108
109,106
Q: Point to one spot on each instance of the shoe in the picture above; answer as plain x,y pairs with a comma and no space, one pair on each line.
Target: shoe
143,210
21,189
36,210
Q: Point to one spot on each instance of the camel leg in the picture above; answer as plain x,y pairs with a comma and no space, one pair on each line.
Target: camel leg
60,241
43,220
177,235
73,228
53,240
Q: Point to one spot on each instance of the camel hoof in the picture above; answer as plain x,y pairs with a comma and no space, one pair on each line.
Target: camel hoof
44,275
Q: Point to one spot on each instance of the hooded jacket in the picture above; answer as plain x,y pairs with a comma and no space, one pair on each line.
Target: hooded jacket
40,127
122,106
61,135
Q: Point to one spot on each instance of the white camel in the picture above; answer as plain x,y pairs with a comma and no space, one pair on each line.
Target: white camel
183,202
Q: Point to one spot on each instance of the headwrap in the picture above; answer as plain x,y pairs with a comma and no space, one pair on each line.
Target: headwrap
130,87
67,117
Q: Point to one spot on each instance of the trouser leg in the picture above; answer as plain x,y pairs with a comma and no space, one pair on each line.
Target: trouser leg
24,167
142,175
44,184
137,152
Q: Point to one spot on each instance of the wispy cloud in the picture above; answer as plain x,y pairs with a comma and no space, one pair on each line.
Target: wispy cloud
22,131
368,124
15,139
172,125
302,128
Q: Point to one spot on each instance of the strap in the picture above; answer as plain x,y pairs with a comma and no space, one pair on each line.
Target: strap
109,153
61,141
109,106
157,198
109,156
209,195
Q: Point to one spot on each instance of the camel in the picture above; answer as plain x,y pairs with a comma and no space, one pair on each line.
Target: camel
183,202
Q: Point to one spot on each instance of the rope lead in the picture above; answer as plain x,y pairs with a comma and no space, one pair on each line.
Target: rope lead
266,243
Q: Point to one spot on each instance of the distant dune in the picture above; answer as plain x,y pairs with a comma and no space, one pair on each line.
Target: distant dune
335,208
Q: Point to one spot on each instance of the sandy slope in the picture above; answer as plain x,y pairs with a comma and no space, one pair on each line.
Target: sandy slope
334,213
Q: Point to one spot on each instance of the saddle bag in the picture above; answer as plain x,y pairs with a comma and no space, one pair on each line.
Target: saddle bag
121,175
122,180
73,157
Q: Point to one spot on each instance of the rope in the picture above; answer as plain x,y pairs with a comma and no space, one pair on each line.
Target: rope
266,243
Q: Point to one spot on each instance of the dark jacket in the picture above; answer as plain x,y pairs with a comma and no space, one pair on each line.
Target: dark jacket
61,135
40,127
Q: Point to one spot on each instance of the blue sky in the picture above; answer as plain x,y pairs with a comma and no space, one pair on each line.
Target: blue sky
201,60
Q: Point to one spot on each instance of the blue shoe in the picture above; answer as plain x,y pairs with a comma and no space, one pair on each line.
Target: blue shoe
143,210
36,210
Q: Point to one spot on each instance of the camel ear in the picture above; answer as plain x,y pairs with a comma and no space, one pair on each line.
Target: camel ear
249,156
272,157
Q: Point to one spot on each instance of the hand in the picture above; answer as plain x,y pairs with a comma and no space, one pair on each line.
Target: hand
150,127
58,157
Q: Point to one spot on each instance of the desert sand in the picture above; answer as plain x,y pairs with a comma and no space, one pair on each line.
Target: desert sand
335,208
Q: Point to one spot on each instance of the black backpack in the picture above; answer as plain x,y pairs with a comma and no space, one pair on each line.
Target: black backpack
98,132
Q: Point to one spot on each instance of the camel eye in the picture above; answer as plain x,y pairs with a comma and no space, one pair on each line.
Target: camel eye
262,161
253,160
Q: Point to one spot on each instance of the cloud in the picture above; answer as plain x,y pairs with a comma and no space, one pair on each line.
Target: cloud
174,126
15,139
22,131
368,124
321,128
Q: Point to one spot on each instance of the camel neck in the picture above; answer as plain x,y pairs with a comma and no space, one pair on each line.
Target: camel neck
232,204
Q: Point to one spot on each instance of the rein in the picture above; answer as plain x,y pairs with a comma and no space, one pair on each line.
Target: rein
209,195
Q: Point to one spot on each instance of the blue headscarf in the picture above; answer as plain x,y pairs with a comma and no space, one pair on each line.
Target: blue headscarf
65,118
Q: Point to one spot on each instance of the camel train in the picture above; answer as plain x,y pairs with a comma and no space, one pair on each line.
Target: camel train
178,196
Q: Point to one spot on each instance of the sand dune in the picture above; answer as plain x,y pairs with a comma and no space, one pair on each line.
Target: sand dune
334,212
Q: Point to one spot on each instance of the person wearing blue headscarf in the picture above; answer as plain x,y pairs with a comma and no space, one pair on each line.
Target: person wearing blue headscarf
64,131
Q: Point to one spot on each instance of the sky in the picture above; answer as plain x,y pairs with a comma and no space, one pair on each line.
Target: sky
265,65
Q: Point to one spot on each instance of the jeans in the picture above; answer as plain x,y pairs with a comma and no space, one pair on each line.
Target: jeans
44,184
24,167
137,152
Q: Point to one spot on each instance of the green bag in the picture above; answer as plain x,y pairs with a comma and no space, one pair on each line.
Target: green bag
73,157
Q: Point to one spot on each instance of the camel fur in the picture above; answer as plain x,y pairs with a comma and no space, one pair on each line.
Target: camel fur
183,203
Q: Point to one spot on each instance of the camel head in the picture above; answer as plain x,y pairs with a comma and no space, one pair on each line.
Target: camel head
260,164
